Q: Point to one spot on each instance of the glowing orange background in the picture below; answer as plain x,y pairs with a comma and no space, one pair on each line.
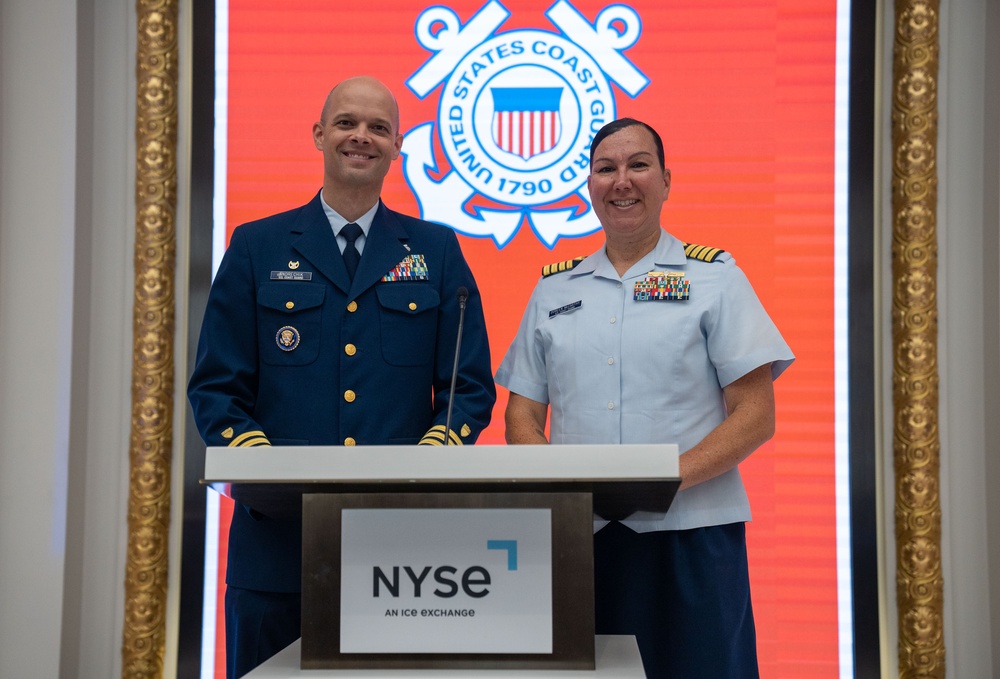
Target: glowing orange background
742,93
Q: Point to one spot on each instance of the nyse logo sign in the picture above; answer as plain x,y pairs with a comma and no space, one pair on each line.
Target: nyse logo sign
516,115
446,581
475,580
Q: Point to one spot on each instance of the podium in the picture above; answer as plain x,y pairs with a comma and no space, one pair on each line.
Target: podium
444,558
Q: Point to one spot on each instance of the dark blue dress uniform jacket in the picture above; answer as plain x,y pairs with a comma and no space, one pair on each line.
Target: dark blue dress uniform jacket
365,363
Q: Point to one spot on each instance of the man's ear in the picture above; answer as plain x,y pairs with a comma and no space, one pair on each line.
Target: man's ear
318,135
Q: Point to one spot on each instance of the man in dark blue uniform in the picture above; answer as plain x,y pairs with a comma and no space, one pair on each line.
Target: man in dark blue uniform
332,324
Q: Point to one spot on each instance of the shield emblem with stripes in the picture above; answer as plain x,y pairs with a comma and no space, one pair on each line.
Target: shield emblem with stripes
526,120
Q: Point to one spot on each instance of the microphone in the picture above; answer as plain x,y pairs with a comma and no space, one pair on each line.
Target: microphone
463,296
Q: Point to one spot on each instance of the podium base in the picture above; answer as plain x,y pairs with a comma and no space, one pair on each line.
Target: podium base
617,657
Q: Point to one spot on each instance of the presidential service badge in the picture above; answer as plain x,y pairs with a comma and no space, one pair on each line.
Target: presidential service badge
287,338
517,112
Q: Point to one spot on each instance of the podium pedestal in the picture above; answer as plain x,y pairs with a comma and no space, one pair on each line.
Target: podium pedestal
551,489
616,657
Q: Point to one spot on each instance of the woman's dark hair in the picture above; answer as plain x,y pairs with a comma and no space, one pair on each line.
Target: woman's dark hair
621,124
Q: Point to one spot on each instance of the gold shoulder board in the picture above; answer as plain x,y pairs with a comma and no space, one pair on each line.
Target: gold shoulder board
702,252
550,269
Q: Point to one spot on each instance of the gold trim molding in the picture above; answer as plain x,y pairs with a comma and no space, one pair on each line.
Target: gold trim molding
144,631
916,440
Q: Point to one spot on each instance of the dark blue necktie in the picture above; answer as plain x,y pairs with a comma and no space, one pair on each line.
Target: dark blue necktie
351,255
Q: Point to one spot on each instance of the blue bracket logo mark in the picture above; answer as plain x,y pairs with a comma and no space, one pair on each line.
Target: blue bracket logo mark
510,546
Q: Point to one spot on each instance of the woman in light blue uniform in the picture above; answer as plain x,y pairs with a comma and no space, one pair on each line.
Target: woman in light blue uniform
652,340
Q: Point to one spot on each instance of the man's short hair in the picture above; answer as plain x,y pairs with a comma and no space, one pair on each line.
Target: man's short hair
621,124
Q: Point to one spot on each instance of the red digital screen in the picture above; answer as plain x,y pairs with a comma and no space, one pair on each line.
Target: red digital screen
744,96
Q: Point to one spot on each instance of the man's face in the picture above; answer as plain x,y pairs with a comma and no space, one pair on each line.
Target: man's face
627,186
358,135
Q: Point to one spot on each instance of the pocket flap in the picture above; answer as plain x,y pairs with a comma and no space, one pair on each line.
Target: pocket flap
410,298
291,297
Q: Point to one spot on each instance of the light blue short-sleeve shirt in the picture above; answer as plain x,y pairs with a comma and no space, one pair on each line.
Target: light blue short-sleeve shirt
614,369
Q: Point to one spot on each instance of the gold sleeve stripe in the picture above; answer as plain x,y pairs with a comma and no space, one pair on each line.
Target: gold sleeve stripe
254,442
559,267
435,436
246,437
426,441
702,252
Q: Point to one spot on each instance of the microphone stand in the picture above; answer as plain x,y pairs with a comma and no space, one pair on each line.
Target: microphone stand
463,295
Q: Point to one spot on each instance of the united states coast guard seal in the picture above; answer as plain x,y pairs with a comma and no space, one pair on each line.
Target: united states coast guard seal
516,116
524,144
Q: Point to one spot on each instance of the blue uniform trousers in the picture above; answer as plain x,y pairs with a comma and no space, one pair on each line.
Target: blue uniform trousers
685,595
258,625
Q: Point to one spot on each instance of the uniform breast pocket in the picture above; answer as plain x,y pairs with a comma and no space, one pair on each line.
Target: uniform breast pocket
408,319
289,322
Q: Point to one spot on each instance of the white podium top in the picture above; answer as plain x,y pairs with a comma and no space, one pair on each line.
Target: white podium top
617,657
622,478
536,463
